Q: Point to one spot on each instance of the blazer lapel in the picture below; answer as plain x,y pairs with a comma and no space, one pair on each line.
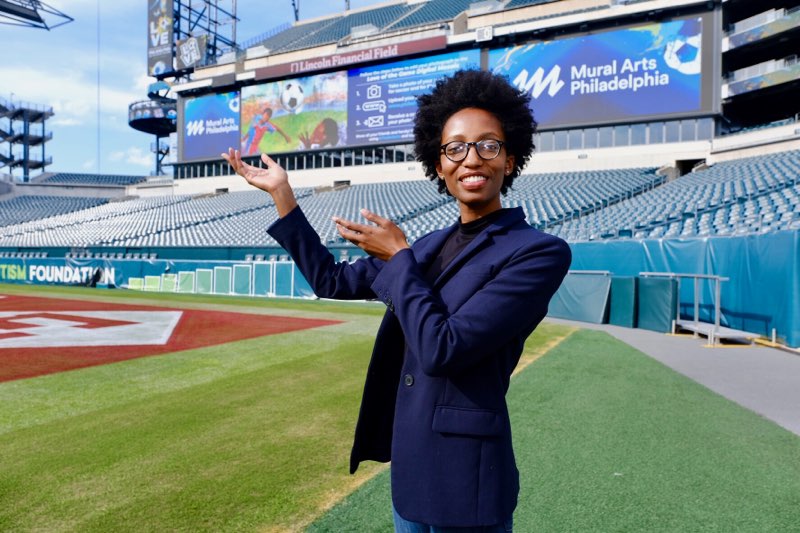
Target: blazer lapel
425,255
483,239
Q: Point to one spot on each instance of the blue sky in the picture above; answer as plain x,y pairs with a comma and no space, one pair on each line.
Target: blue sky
59,68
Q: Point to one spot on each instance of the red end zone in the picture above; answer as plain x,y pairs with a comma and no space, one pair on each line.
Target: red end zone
44,335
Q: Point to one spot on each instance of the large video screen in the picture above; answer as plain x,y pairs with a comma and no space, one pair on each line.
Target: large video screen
363,106
642,72
295,114
654,71
210,125
382,99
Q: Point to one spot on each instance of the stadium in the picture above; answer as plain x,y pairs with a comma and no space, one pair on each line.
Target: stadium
667,156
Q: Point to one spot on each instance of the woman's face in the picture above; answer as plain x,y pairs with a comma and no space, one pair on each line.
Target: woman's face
475,182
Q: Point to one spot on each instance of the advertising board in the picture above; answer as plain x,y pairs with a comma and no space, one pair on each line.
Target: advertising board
642,72
210,125
159,37
382,99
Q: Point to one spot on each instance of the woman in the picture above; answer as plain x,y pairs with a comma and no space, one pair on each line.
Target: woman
460,304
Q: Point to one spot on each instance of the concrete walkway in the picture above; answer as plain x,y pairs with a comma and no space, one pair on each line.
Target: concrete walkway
762,379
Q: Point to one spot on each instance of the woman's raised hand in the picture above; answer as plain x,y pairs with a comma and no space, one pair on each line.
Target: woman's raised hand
270,178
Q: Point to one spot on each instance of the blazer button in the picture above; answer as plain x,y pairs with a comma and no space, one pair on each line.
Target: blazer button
408,379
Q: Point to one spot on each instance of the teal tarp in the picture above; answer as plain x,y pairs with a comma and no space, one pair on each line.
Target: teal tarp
764,270
582,297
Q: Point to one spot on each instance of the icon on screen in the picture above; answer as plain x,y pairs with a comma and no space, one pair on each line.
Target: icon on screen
375,121
374,91
377,105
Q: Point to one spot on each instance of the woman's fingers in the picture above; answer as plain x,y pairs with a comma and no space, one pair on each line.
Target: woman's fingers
375,219
349,225
267,160
234,159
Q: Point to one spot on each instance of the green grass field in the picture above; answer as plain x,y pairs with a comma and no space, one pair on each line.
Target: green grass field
255,436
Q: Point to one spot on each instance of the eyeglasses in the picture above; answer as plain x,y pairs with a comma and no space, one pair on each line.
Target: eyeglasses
457,151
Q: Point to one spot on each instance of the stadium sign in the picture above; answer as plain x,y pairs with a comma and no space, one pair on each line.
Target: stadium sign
69,275
210,124
635,73
51,273
377,53
159,37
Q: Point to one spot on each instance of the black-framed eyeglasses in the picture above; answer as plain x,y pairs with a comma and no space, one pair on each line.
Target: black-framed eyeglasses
457,151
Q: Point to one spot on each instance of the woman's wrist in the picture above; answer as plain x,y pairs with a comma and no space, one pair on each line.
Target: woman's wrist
284,199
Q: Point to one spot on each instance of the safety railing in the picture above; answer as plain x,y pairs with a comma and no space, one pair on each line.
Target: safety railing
714,333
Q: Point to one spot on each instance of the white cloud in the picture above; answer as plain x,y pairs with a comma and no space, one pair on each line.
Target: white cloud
134,156
89,164
73,98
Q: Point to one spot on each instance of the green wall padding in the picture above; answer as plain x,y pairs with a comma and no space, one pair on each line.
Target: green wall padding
241,279
657,302
622,301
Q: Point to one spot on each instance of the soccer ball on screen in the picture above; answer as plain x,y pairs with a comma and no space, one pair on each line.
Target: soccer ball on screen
292,97
684,55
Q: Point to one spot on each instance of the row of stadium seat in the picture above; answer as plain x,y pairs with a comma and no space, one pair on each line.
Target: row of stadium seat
749,195
390,18
23,255
25,208
111,255
91,179
384,18
753,195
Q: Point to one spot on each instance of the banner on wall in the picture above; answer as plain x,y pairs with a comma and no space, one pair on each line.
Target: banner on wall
641,72
262,278
210,125
191,52
159,37
371,105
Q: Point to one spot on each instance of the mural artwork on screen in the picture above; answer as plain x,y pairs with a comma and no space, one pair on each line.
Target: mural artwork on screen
295,114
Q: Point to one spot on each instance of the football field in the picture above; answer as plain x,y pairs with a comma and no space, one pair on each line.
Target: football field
124,411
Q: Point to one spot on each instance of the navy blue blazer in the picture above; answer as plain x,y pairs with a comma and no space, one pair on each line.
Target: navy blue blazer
440,415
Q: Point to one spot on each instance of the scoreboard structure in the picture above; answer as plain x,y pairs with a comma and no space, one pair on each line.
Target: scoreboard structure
612,74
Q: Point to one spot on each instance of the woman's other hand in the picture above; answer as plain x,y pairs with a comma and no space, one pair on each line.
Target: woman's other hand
381,240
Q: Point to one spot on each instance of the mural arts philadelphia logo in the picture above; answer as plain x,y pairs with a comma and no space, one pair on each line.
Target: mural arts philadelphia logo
218,125
584,79
681,55
211,126
195,127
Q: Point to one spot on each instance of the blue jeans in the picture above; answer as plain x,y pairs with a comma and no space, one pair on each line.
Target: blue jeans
401,525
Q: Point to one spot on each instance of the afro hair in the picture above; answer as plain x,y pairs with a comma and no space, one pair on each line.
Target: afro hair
482,90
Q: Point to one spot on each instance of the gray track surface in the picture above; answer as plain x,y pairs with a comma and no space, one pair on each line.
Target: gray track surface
762,379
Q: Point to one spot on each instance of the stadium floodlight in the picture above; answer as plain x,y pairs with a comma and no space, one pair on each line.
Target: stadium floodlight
31,13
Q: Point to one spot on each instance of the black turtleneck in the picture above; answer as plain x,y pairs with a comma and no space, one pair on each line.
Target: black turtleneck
457,241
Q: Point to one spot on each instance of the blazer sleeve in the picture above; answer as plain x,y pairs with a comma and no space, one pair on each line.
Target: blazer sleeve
509,305
328,279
